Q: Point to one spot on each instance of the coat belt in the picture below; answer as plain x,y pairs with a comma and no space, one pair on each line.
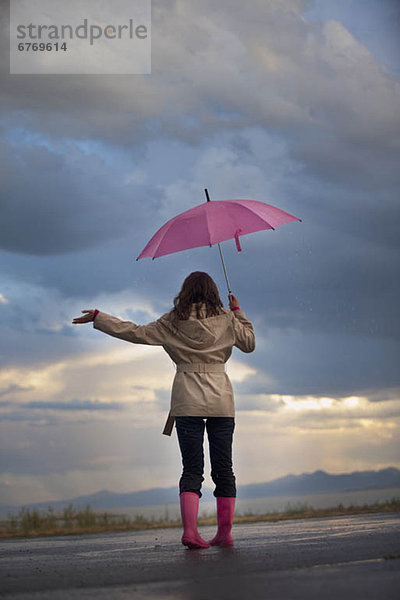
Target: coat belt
200,368
192,368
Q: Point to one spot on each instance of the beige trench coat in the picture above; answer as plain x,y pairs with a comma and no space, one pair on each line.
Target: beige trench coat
199,348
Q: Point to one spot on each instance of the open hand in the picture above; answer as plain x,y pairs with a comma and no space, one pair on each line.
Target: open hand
233,301
86,318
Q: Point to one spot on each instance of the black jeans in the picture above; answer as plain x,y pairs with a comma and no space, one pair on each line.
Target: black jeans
220,435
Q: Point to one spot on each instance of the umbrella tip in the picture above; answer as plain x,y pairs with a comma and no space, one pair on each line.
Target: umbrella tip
206,193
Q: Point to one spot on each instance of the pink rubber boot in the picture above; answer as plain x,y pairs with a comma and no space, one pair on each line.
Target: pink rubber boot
225,510
189,509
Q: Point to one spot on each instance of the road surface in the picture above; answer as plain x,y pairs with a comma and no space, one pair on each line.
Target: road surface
356,557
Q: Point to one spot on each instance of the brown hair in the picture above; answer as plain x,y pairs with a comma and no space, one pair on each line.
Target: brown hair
198,288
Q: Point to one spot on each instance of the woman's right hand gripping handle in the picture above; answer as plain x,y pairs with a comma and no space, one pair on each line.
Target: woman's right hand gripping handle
233,302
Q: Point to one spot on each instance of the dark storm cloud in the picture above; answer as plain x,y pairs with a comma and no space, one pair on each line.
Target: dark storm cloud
309,77
321,364
63,201
325,281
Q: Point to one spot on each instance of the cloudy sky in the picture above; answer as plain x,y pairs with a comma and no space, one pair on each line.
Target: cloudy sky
291,102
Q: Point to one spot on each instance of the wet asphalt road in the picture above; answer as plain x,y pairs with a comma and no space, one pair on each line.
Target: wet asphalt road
355,557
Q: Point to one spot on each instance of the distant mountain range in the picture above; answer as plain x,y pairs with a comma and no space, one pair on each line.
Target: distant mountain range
318,482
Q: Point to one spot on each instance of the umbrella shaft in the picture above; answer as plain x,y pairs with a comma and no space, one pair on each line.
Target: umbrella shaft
223,266
220,253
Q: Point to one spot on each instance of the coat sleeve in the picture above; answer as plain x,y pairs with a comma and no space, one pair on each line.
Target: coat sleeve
244,332
153,334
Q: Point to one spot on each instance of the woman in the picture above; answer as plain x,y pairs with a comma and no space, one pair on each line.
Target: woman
198,334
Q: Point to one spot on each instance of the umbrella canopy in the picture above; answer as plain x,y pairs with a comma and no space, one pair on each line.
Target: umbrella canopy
214,222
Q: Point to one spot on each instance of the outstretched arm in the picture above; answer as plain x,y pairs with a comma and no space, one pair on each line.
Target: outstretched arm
152,334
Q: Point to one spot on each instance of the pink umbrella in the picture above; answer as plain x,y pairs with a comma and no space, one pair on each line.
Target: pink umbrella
214,222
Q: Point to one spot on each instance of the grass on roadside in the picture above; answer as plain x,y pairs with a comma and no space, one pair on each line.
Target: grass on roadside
32,522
